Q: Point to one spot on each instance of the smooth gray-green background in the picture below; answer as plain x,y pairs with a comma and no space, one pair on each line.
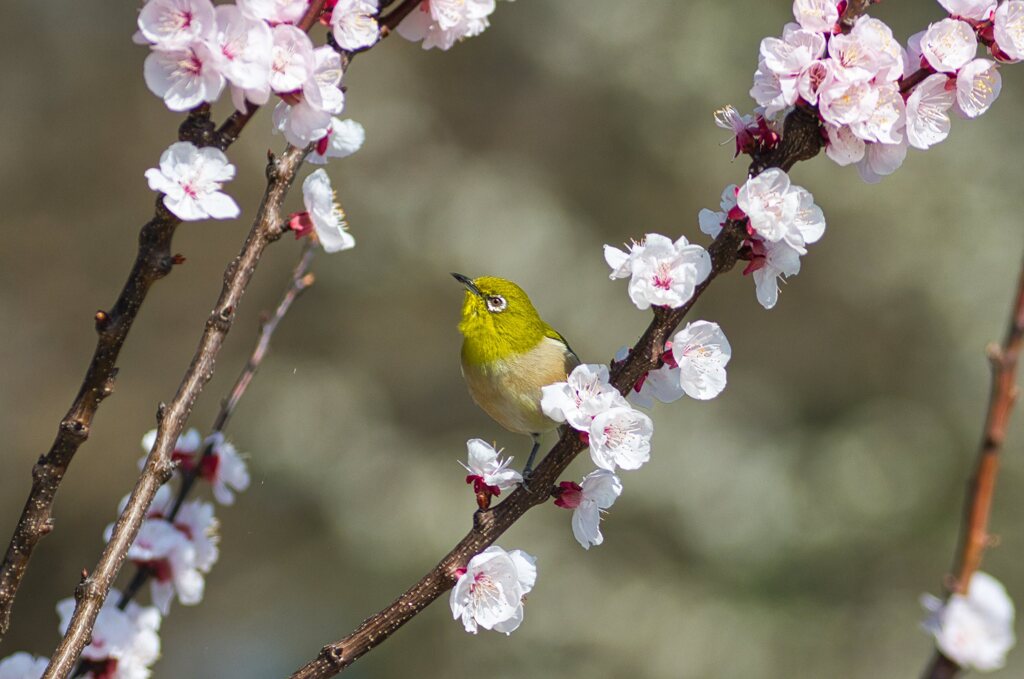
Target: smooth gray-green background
783,530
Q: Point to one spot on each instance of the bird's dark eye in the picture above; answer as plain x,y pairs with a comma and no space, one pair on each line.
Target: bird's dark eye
496,303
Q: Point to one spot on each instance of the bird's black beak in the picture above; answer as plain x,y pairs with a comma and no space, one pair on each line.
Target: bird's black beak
468,282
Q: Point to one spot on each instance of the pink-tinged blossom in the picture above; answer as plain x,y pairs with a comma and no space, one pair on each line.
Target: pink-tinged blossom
185,447
729,118
620,437
124,644
881,160
343,138
816,15
224,469
927,107
775,261
661,273
711,221
842,101
977,86
309,117
23,666
588,499
1009,29
789,56
487,471
876,36
191,178
323,215
585,394
949,44
814,77
976,10
701,352
886,122
768,91
490,592
354,24
274,11
442,23
176,24
974,630
770,203
184,77
245,50
292,62
170,559
843,146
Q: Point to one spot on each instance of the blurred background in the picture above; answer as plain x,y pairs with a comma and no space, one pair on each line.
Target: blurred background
785,529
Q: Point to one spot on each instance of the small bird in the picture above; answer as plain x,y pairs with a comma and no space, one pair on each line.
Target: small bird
508,354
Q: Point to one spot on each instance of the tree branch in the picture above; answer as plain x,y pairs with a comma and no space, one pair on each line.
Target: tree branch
92,591
153,261
975,538
801,140
300,280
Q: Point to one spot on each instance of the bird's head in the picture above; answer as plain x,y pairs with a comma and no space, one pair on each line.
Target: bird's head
498,319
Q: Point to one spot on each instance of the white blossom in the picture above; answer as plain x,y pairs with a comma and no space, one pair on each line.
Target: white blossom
343,138
323,211
588,499
186,445
620,437
974,630
881,160
176,24
23,666
969,9
585,394
485,465
816,15
977,86
844,147
125,641
662,273
777,260
886,122
949,44
769,203
191,178
274,11
292,62
927,119
184,77
354,24
245,51
711,221
1009,28
309,118
224,469
490,592
701,352
442,23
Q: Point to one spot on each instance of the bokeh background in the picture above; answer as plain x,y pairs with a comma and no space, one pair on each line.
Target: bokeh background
783,530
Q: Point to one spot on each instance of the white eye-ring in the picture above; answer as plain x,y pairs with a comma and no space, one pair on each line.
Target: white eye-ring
496,304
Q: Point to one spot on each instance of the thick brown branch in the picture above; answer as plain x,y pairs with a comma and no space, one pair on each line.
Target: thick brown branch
92,591
975,538
801,140
300,280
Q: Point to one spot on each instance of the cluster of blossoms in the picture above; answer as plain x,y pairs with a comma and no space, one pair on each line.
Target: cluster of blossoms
175,548
974,630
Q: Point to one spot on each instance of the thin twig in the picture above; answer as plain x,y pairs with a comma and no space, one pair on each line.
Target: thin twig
92,590
153,261
975,538
801,140
299,281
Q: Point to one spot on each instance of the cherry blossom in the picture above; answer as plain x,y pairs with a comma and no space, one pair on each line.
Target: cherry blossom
977,85
245,49
781,211
660,384
185,447
23,666
176,24
274,11
881,160
585,394
949,44
489,592
620,437
190,179
124,644
927,119
323,215
969,9
442,23
816,15
292,62
309,117
343,138
184,77
169,557
354,24
844,147
701,352
974,630
487,471
1009,29
596,493
224,469
773,261
711,221
662,273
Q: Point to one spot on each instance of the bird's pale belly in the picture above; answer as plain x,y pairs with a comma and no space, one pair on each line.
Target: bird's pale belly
509,389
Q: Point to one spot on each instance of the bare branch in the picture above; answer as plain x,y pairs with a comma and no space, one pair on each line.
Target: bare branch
153,261
975,537
92,591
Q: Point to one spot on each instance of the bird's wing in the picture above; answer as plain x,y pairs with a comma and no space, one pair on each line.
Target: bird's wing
557,336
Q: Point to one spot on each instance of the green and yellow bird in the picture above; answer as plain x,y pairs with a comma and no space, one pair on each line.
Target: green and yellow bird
508,354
